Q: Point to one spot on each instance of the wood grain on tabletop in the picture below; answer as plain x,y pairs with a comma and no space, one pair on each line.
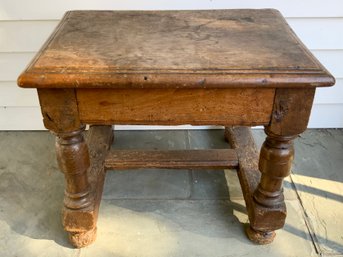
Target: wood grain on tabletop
142,49
211,67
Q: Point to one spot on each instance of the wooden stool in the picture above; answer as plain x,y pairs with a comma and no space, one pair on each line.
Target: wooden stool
218,67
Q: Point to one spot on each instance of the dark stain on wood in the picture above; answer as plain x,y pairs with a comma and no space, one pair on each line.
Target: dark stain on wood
81,222
209,67
291,111
263,219
59,109
174,49
248,106
172,159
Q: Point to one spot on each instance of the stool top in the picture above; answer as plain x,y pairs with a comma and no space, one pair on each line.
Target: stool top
174,49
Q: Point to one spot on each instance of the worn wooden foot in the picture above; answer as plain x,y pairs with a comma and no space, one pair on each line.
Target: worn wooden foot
84,173
259,237
82,239
263,194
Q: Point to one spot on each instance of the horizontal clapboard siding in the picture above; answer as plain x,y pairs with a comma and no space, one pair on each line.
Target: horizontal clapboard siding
49,9
23,30
24,36
319,33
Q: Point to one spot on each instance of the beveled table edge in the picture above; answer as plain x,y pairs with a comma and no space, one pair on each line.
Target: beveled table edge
197,78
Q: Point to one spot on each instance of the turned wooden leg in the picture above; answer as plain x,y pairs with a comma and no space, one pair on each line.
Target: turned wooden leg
73,160
261,181
82,162
276,158
275,162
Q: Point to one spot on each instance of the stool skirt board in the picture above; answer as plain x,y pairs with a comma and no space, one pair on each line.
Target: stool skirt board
234,68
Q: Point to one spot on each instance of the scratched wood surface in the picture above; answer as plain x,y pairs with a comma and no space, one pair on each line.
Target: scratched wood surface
161,49
171,159
263,221
227,106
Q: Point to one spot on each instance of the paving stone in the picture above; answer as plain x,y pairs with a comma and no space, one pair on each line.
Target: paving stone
207,139
166,228
318,178
149,183
292,240
209,184
189,228
235,190
31,193
164,139
233,185
259,137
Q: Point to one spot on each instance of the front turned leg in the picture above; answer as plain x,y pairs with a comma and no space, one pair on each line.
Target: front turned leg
275,162
73,160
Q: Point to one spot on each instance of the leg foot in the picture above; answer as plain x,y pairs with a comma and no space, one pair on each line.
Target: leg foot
84,173
269,212
82,239
260,237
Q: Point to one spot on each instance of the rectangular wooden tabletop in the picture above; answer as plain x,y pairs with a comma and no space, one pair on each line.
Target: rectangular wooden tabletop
174,49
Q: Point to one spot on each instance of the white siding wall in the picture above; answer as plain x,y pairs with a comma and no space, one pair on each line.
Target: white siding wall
25,25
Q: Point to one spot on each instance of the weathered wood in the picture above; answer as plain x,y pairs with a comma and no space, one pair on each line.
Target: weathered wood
174,49
81,223
241,140
172,159
59,109
73,160
275,164
176,106
291,111
263,220
210,67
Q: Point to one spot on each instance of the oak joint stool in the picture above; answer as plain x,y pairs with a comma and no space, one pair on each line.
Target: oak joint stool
235,68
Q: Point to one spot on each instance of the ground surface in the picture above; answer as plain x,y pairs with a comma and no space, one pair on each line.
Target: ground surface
170,212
